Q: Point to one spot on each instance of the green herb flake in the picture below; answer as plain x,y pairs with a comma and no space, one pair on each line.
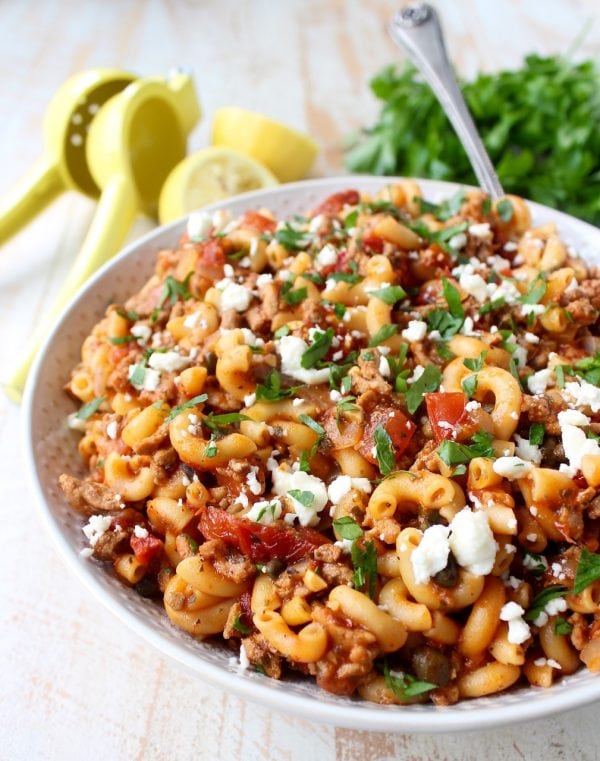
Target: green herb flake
186,406
537,432
562,627
536,290
318,429
272,391
453,453
347,528
305,498
364,560
89,409
174,290
219,422
384,332
292,239
240,626
428,381
389,295
542,599
588,570
384,450
475,364
293,296
406,686
284,330
352,277
469,386
119,340
318,349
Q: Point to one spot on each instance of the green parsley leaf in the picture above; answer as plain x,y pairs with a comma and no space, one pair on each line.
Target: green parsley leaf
351,219
240,626
536,564
492,305
293,296
589,369
118,340
174,290
305,498
505,209
272,391
318,349
284,330
384,450
442,321
318,429
304,465
346,384
292,239
364,560
469,386
347,528
562,626
443,351
186,406
475,364
453,453
352,278
211,450
452,296
130,314
536,290
588,570
389,295
444,210
537,432
87,410
542,599
384,332
218,422
559,372
405,686
428,382
137,376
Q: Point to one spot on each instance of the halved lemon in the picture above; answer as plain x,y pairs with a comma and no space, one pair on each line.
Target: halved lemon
207,176
287,153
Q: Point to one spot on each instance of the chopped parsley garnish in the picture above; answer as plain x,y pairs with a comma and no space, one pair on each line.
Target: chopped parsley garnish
346,384
174,290
535,564
405,686
542,599
305,498
292,239
318,349
536,290
352,278
536,434
186,405
475,364
453,453
389,295
384,450
292,295
589,369
272,391
384,332
505,209
364,560
304,464
118,340
562,626
129,314
211,450
492,305
137,376
444,210
469,386
318,429
240,626
219,422
347,528
452,296
428,382
284,330
87,410
443,351
588,570
442,236
346,404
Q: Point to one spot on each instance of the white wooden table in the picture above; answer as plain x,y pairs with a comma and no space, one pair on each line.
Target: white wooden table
75,683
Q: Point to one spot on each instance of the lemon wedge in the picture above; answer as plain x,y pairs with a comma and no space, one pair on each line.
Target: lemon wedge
207,176
287,153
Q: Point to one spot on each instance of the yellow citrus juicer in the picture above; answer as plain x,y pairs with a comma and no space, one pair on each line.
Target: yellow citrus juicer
134,141
63,165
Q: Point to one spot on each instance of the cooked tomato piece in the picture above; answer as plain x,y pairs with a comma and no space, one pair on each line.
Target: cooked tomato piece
336,202
398,426
146,548
212,259
260,543
372,243
258,222
446,410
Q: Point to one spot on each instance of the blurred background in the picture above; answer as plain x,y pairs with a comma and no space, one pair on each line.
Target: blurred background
74,678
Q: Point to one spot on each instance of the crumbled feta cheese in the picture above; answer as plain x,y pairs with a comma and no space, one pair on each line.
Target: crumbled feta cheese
532,563
264,511
345,545
416,330
86,552
458,241
249,400
140,532
583,394
96,527
467,328
151,378
416,374
244,661
75,423
518,628
384,367
111,429
538,382
254,484
318,224
472,541
235,296
431,556
527,451
285,481
142,333
498,263
520,355
472,405
263,279
474,285
510,246
199,225
341,485
506,290
576,445
532,338
298,402
327,256
481,230
512,468
194,320
572,286
573,417
535,309
291,349
168,361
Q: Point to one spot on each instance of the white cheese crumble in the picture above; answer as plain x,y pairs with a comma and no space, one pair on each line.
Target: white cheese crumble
234,296
431,556
583,394
573,417
416,374
384,367
168,361
265,511
527,451
140,532
481,230
75,423
576,445
341,485
538,382
534,309
458,241
512,468
249,400
474,285
111,429
416,330
285,481
291,349
532,338
150,381
263,279
199,224
472,542
96,527
518,628
327,256
254,484
142,333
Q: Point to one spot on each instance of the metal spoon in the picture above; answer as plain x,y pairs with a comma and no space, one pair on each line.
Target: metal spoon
417,29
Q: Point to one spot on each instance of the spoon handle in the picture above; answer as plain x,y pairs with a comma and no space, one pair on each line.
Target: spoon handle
417,29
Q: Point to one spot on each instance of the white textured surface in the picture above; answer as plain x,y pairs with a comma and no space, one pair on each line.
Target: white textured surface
75,679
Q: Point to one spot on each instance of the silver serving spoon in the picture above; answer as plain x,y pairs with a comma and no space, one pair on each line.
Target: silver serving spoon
417,29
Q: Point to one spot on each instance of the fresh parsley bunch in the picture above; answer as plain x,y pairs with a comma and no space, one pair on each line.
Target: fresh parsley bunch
539,124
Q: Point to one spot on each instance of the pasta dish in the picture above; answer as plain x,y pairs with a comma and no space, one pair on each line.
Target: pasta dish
361,444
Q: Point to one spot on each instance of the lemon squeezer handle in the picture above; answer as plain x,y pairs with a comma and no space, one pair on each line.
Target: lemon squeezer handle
32,193
114,216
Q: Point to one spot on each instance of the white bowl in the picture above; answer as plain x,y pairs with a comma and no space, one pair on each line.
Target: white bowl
51,449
